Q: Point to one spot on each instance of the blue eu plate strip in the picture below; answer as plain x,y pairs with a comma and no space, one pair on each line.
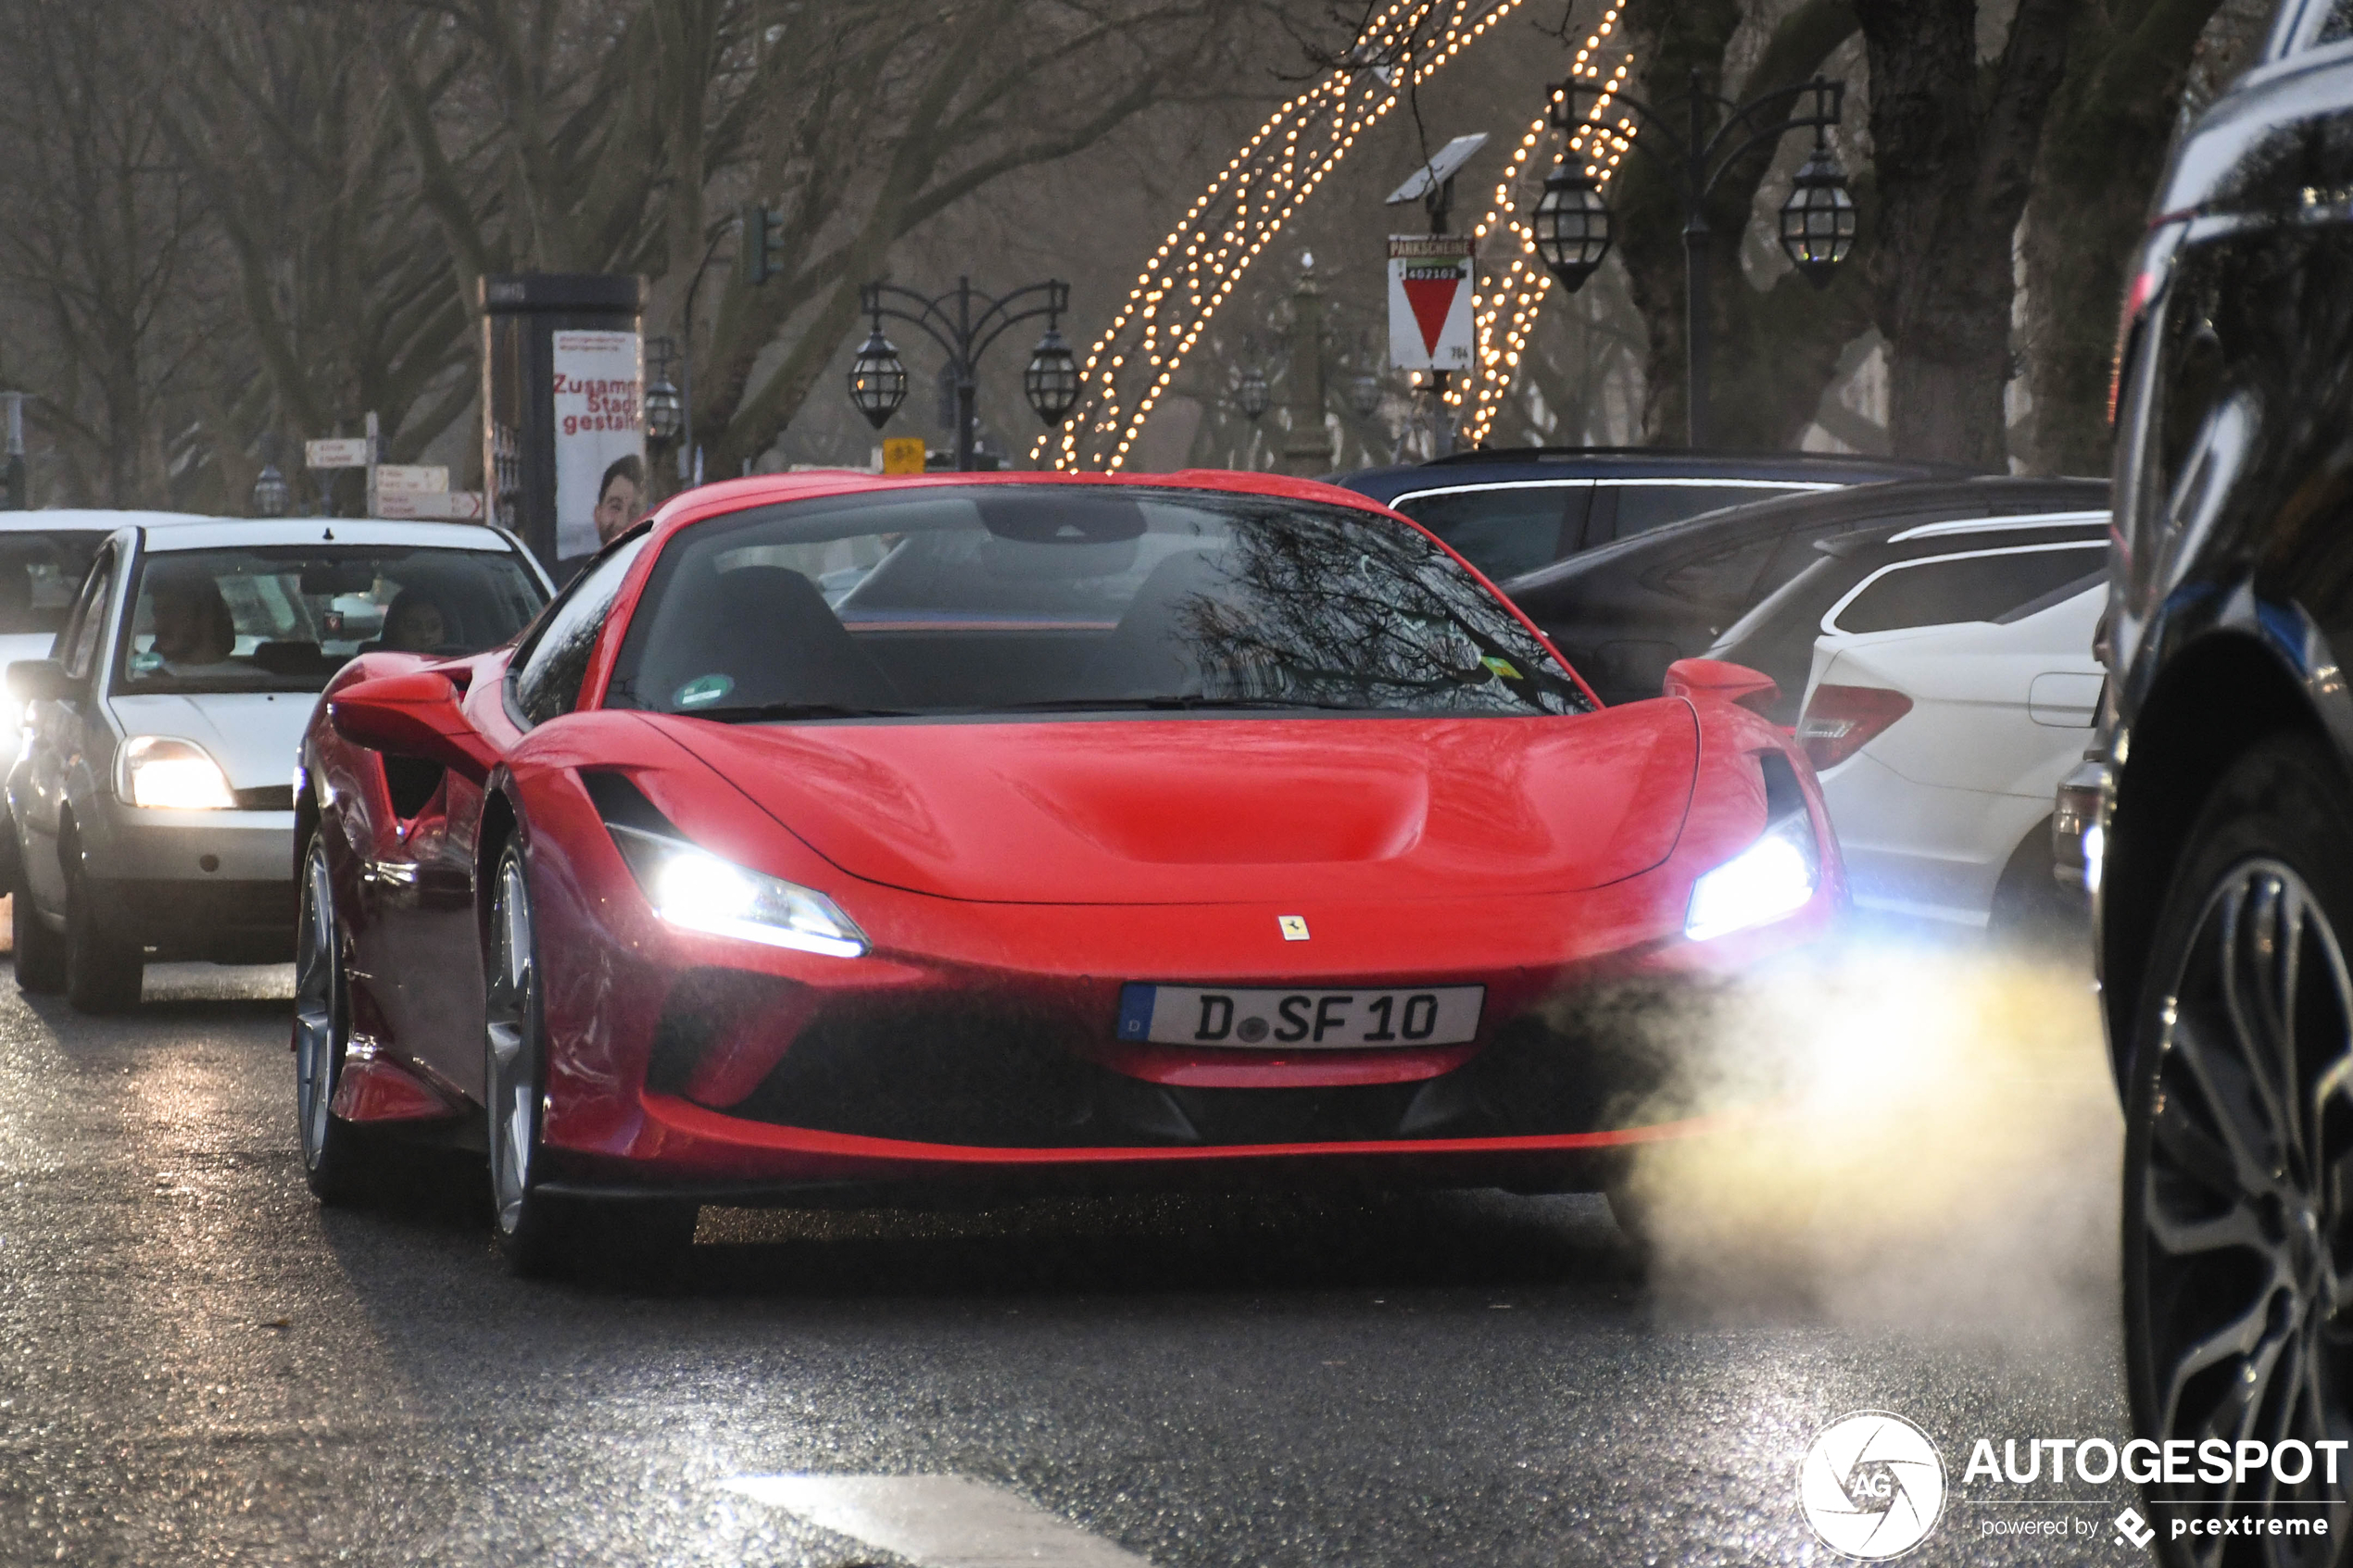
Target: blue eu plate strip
1136,1012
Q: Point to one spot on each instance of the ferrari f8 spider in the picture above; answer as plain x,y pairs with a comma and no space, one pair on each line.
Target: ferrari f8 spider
833,837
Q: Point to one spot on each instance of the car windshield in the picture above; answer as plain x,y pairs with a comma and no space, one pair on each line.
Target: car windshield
1009,598
40,574
268,618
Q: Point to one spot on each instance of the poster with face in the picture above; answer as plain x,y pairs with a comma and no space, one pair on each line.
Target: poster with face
600,438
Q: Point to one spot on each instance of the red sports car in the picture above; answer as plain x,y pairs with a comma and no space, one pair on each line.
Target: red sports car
834,835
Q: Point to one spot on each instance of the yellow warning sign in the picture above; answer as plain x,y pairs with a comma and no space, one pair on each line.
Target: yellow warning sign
903,454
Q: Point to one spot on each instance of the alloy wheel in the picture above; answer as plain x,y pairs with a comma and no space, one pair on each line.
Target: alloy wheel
319,1013
511,1010
2240,1246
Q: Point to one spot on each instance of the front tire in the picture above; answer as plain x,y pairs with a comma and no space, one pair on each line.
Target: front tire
538,1234
41,952
335,1159
2238,1165
103,971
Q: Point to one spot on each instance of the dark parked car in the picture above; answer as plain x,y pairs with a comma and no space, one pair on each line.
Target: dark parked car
1509,510
2225,898
1992,568
1622,613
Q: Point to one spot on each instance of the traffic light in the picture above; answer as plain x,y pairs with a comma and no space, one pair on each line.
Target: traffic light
763,240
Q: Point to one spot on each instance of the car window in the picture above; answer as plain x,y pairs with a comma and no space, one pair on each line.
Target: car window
89,624
285,618
1007,598
1719,577
1642,508
1947,590
1506,530
40,574
550,668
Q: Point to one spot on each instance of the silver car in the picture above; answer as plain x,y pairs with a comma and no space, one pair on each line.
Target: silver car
152,797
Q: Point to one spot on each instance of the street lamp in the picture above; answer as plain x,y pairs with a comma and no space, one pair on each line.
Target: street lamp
964,322
1572,225
1817,223
878,379
665,410
1251,394
1052,381
271,494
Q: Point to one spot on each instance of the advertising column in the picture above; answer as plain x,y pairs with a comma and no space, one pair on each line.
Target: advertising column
563,431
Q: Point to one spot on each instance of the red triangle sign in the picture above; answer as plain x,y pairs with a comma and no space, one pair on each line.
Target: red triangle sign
1432,299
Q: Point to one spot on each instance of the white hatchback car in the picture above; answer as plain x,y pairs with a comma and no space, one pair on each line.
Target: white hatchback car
1949,694
152,798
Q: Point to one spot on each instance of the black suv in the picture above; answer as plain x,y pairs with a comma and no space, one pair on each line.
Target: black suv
1509,510
2225,870
1622,613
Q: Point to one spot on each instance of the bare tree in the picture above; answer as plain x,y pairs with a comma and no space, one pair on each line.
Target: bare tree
98,250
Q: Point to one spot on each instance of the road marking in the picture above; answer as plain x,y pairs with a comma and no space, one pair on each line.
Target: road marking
938,1521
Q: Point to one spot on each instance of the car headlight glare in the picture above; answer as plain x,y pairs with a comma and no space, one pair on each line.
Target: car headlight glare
1775,876
696,890
171,775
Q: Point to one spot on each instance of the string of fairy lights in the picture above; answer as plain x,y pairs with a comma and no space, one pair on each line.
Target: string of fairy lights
1520,288
1197,267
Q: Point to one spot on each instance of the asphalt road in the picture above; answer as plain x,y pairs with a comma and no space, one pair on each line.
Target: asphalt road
198,1365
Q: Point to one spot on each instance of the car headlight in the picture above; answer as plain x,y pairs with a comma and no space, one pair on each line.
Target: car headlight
696,890
174,775
1775,876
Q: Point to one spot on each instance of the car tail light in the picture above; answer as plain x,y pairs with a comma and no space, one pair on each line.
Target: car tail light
1840,721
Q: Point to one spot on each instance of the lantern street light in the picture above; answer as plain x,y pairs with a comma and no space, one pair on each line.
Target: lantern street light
271,494
665,410
1818,222
964,322
1252,396
1573,224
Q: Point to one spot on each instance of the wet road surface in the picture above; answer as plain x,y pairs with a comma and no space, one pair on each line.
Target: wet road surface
198,1365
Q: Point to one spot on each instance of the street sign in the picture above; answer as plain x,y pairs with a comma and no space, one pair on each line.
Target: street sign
343,452
903,454
411,479
1429,301
438,506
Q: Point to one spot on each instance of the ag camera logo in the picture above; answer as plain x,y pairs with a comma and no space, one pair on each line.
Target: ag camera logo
1872,1486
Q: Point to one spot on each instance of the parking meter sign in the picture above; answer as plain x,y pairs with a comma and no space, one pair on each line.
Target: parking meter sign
1431,279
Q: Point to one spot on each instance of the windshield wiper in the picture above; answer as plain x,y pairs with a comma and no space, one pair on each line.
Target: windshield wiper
752,712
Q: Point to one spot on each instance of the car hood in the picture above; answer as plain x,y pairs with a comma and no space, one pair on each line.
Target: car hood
253,736
1223,810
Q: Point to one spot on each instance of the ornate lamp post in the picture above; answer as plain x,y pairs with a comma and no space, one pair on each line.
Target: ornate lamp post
1573,223
964,322
665,410
271,494
1252,396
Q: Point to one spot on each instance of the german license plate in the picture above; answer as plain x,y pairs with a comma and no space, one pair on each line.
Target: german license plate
1277,1019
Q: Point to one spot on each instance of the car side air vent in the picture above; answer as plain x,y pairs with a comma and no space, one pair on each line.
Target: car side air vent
1782,795
623,804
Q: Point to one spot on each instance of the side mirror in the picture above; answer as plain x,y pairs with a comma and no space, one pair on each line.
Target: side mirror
1725,682
41,680
411,716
